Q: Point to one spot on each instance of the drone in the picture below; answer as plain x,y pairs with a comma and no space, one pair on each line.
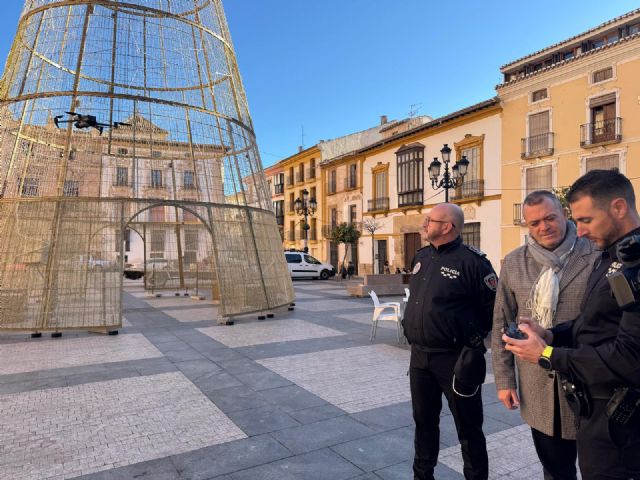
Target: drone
86,121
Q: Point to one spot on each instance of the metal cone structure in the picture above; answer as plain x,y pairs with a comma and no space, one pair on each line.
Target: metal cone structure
126,122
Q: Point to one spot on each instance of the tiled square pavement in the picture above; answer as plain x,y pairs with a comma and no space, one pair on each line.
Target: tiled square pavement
66,432
72,352
194,314
353,379
320,402
272,331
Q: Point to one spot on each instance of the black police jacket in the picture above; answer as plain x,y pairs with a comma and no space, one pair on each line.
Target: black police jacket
604,341
452,291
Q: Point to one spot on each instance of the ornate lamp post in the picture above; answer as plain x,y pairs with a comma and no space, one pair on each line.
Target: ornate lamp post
449,180
305,207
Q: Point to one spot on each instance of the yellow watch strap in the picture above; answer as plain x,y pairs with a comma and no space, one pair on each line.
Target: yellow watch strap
546,353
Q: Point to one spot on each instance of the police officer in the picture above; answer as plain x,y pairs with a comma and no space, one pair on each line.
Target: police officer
598,353
452,291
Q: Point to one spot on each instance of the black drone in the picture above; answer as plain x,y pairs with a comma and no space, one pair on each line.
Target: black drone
86,121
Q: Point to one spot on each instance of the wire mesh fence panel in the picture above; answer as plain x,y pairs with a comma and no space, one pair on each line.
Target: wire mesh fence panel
108,109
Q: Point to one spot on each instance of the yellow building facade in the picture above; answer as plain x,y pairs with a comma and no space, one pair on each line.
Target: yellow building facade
568,109
397,191
301,171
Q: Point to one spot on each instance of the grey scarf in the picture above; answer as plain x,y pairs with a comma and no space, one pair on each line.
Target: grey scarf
544,297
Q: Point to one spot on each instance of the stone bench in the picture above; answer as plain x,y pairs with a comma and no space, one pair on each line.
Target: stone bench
384,284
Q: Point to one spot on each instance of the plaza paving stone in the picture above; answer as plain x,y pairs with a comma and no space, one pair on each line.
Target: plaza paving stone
175,396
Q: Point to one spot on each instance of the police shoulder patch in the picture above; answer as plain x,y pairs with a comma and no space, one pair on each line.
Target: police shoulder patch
475,250
416,268
491,281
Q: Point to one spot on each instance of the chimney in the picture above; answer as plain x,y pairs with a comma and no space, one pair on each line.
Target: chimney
383,119
300,148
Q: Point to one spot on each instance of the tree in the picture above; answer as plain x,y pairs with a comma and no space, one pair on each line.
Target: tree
346,233
561,193
371,225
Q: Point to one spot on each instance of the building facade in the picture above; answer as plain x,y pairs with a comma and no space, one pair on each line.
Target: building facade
397,191
567,109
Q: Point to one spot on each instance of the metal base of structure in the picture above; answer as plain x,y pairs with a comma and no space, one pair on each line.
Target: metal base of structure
56,334
261,317
36,335
269,315
290,309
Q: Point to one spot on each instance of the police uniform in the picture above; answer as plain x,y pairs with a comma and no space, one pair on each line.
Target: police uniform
603,354
451,305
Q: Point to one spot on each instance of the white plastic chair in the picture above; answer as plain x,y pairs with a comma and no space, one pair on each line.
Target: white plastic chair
380,314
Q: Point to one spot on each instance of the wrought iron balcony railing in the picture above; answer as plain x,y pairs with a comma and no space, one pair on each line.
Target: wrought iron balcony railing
378,204
311,172
517,214
469,189
280,219
537,145
603,131
300,177
278,188
331,187
350,183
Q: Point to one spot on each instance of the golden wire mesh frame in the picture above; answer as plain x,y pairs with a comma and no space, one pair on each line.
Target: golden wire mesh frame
122,116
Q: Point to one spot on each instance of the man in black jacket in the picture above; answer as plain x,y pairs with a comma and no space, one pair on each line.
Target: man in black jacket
452,291
599,352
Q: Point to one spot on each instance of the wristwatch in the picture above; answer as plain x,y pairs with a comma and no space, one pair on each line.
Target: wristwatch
545,359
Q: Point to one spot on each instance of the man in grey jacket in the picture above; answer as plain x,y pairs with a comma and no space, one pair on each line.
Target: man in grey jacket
543,280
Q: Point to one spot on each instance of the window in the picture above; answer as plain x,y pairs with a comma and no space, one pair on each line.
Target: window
410,160
331,187
29,187
312,230
538,178
123,151
380,184
278,183
312,168
352,214
187,180
157,244
278,208
539,140
604,126
602,75
353,178
71,188
293,257
539,95
312,193
156,178
602,162
122,176
472,186
334,218
633,29
471,234
190,246
292,201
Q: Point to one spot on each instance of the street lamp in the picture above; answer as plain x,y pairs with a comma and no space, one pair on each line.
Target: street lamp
449,180
305,207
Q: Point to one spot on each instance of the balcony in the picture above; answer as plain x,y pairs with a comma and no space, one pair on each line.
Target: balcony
278,188
410,198
311,172
469,190
537,146
300,177
280,219
350,183
378,204
289,180
517,214
601,133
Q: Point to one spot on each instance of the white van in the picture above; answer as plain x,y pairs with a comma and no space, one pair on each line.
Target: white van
303,265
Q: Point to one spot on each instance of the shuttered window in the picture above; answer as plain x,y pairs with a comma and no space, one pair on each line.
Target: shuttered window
602,75
538,123
538,178
603,162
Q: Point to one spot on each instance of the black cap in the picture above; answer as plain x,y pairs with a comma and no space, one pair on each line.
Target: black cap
469,372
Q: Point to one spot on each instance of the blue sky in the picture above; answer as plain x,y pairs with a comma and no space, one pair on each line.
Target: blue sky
333,67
